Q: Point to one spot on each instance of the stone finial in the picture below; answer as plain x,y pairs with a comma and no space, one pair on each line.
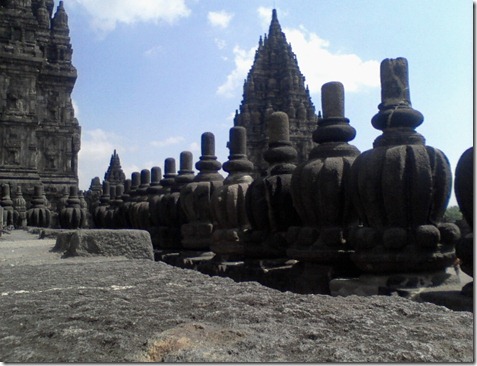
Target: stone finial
169,173
332,100
238,162
395,83
60,19
281,155
278,128
208,165
333,126
185,173
156,176
395,109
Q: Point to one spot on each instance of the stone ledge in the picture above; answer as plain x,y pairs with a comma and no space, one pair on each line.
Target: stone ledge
133,244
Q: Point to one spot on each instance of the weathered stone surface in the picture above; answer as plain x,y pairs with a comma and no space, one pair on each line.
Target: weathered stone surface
129,243
109,310
195,197
321,190
401,188
228,201
40,136
268,202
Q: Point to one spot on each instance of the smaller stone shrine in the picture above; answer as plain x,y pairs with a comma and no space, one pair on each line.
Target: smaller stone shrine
196,198
269,203
320,189
228,201
401,188
171,214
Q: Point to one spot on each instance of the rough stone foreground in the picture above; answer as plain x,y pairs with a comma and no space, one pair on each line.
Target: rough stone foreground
113,309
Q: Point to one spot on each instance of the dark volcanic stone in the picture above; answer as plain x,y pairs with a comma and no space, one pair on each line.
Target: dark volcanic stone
111,310
129,243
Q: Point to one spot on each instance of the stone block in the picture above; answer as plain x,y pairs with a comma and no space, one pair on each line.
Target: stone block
133,244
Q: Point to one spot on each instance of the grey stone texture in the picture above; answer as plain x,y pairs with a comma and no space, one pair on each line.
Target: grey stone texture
401,188
269,205
196,197
109,309
128,243
320,188
228,200
40,136
464,192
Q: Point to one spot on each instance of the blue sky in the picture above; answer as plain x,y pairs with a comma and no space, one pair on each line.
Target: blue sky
153,75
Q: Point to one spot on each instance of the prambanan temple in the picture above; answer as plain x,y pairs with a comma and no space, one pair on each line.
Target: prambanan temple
40,136
299,202
275,83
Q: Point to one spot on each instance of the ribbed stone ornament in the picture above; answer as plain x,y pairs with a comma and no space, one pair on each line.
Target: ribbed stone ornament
320,188
99,214
464,193
401,188
39,215
269,204
195,197
72,216
228,201
139,212
7,204
171,213
20,208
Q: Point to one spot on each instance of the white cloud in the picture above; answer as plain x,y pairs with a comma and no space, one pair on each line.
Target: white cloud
317,63
194,147
167,142
265,15
107,14
219,19
220,43
243,62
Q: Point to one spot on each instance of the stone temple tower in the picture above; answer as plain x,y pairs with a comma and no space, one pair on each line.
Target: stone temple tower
275,83
40,136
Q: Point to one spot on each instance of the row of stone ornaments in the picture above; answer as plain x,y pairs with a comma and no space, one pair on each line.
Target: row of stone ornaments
380,210
16,212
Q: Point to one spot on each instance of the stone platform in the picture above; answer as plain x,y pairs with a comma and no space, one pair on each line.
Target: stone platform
114,309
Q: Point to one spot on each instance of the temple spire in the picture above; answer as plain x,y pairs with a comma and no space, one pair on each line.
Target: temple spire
275,83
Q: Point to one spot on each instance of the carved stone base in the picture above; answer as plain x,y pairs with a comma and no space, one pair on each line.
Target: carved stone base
326,247
168,238
227,244
261,245
197,236
407,259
